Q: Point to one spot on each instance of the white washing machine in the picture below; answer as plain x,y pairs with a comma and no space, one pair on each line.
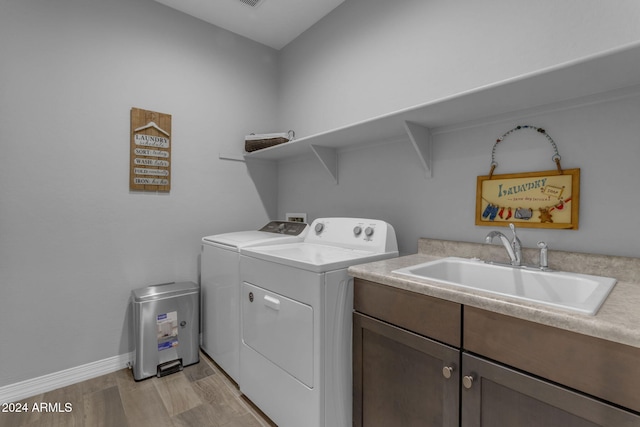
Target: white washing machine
220,287
296,307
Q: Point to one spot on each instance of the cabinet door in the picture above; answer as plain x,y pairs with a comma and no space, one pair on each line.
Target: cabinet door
496,396
399,377
594,366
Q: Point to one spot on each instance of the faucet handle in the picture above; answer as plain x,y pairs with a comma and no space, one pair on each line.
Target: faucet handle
544,259
516,241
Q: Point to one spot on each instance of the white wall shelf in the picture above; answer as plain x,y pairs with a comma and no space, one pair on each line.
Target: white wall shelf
610,71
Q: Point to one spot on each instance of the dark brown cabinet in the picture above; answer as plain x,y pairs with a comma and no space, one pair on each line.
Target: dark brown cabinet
401,378
416,364
406,360
604,369
494,395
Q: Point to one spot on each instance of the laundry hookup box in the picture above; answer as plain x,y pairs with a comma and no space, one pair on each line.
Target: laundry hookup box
165,325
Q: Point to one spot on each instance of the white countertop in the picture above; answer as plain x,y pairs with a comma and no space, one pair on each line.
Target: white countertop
618,319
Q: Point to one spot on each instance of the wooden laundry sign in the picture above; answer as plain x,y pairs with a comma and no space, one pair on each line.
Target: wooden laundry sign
150,165
546,199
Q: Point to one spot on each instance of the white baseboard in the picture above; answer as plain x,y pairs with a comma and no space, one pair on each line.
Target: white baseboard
55,380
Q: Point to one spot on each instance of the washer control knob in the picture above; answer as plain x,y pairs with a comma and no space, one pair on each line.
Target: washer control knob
357,230
319,227
369,231
281,227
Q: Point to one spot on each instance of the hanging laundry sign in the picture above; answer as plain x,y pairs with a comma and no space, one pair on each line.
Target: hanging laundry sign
150,165
546,199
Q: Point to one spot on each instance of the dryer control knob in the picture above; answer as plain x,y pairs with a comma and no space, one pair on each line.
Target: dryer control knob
357,230
369,231
319,227
281,228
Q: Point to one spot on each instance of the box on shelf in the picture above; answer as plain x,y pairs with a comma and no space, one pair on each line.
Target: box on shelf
255,142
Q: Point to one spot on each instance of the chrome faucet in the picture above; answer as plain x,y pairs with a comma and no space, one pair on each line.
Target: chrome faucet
513,247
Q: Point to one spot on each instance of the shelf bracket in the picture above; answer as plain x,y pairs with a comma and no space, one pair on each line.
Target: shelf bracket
234,157
329,158
420,137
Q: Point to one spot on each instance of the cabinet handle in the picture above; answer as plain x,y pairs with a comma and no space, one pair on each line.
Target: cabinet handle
467,381
447,371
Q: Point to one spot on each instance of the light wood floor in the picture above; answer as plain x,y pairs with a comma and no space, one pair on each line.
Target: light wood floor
199,396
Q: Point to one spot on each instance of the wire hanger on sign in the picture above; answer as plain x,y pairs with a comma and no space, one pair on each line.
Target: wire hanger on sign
152,125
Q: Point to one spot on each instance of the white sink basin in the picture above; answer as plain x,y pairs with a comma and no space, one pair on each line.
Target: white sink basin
582,293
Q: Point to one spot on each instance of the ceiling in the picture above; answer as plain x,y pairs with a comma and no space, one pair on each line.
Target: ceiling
271,22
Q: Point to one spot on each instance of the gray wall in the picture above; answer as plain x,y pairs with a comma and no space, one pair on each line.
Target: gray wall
74,240
386,180
373,57
368,58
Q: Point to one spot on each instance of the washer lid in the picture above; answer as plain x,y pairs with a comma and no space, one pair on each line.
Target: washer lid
240,238
275,231
314,257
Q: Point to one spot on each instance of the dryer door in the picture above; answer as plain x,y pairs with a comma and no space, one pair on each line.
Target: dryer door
280,329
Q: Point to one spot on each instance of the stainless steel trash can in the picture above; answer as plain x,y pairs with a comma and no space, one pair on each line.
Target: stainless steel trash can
165,328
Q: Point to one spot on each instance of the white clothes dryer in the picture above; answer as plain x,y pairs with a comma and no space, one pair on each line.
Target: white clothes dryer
220,287
296,309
